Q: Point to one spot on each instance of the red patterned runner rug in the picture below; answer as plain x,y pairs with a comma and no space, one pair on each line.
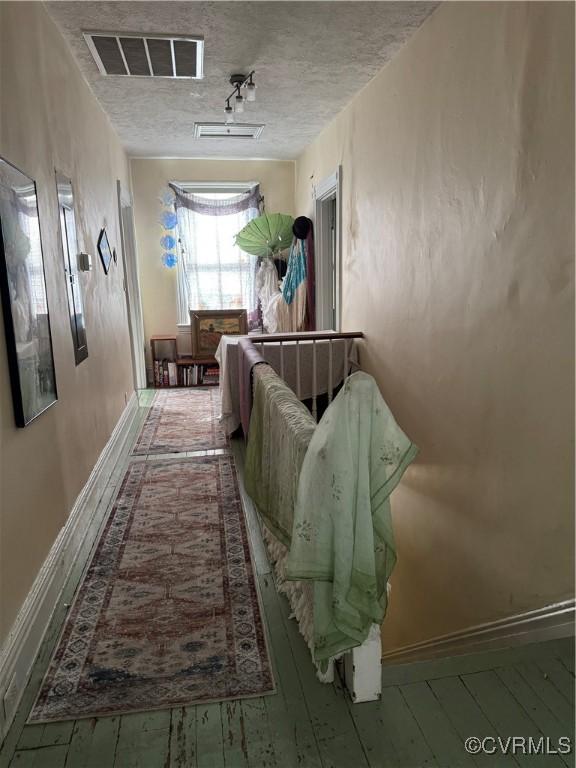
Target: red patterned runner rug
182,420
167,613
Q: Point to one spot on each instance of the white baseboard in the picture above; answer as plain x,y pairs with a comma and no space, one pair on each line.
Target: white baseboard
548,623
25,638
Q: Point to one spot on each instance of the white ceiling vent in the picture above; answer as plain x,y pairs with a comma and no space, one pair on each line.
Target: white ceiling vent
134,55
227,130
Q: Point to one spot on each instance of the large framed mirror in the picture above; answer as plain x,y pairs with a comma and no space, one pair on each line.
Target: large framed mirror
24,299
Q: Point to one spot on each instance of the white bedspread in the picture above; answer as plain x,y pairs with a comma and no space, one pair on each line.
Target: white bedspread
227,357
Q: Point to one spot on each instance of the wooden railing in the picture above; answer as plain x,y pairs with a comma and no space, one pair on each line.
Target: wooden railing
261,340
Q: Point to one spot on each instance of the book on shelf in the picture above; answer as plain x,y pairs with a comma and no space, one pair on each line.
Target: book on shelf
165,373
187,375
210,375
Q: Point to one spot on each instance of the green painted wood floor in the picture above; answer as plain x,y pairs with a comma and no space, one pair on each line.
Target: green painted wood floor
426,711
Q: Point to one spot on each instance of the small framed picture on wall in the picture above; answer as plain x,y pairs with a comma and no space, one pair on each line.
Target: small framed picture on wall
104,250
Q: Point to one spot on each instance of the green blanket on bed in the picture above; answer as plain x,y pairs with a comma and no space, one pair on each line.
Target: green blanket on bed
342,535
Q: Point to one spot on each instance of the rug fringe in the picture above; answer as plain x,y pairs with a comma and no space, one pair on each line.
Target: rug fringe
300,595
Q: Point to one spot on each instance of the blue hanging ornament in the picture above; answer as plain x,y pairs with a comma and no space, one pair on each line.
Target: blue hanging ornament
168,242
167,196
168,219
169,260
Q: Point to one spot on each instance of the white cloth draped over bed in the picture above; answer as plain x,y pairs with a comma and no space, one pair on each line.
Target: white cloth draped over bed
344,355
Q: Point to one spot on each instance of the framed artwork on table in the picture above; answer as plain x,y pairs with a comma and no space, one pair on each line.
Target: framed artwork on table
24,299
209,325
104,250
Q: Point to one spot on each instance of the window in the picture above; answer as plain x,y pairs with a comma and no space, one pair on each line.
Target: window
213,273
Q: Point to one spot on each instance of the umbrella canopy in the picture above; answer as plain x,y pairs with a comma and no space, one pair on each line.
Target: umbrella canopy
266,235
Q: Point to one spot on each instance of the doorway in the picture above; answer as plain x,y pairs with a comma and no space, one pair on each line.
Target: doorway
132,288
327,198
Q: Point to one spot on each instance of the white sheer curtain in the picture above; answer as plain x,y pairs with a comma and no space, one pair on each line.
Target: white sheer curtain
213,273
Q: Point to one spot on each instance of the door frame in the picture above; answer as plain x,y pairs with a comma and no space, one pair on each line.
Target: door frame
132,286
328,275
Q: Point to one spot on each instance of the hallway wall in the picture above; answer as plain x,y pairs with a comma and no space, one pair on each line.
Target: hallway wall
50,120
149,178
458,243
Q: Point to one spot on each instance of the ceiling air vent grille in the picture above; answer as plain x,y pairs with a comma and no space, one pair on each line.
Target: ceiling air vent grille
133,55
227,130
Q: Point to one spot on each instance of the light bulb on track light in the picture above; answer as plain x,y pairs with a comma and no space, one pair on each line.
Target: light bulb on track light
239,103
250,90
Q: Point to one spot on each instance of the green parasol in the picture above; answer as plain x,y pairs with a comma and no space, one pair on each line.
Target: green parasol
266,235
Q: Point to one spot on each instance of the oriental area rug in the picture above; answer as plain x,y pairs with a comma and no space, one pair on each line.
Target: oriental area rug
167,613
182,420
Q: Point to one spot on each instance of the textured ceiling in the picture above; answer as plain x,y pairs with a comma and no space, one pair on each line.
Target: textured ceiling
310,59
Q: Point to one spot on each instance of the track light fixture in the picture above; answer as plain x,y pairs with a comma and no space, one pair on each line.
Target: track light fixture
241,83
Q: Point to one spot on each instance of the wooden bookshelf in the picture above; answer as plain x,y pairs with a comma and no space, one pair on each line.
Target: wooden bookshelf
169,369
164,355
196,361
198,371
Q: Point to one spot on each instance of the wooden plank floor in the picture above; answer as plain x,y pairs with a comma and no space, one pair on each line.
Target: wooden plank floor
425,715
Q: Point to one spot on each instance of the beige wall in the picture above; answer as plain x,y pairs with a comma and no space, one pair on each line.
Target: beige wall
458,244
49,119
149,178
458,169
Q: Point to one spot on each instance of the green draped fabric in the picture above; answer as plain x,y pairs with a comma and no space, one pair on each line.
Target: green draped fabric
280,430
342,535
